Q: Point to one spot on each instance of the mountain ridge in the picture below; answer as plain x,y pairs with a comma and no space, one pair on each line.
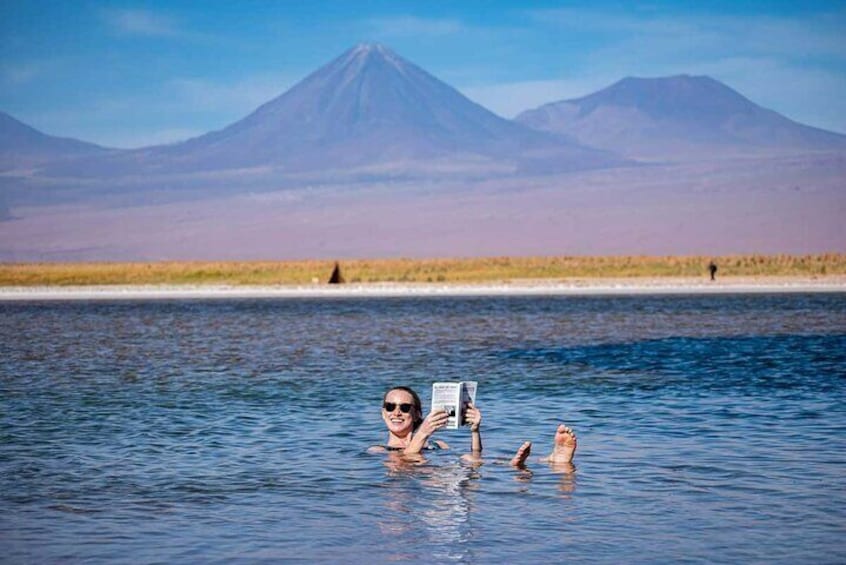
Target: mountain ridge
371,116
674,116
341,117
366,108
444,180
23,146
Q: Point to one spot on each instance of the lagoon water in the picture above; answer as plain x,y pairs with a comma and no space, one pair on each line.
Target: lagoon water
711,429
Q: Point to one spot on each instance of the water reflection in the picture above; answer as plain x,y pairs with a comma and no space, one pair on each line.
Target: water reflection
566,476
434,501
451,503
566,473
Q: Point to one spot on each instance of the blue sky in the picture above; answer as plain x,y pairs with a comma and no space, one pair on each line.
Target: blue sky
127,74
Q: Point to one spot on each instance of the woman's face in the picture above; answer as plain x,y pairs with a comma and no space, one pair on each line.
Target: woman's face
399,423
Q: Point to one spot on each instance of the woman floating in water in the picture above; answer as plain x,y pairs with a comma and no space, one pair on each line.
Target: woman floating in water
410,433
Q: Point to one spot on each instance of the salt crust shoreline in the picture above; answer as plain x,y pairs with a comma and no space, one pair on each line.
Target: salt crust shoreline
574,287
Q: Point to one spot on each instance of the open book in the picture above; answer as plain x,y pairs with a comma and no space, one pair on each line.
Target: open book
454,398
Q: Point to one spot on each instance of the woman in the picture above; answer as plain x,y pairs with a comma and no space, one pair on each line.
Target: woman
410,433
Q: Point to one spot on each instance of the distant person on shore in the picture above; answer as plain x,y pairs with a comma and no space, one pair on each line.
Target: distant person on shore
712,268
410,433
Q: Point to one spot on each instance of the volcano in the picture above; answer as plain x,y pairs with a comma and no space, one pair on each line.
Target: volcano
367,108
665,118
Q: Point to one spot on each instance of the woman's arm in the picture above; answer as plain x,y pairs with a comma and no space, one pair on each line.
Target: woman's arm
433,422
474,417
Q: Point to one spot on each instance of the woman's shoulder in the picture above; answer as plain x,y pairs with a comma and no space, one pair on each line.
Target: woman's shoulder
436,444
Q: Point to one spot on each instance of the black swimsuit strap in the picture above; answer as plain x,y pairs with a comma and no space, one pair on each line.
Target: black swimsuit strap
428,447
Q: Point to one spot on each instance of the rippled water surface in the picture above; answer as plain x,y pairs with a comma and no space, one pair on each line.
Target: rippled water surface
711,429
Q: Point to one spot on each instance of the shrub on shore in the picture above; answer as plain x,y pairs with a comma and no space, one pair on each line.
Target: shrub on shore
458,270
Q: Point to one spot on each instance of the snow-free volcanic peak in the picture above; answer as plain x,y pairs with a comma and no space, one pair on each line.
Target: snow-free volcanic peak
367,109
691,116
368,105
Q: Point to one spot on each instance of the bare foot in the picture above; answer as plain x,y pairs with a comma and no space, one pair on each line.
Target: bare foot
522,454
565,446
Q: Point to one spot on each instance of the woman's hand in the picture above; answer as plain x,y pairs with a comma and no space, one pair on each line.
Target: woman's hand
433,422
436,420
474,417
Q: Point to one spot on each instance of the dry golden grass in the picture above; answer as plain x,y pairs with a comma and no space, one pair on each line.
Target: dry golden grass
469,270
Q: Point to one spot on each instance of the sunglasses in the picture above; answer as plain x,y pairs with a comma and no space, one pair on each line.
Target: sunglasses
405,407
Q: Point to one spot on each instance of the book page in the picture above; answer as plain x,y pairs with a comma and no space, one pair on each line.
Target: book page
469,389
454,398
447,397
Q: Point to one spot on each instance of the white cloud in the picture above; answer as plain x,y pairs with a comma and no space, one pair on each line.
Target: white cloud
136,139
241,96
184,108
509,99
141,22
794,65
189,96
811,95
808,95
702,35
20,73
411,26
